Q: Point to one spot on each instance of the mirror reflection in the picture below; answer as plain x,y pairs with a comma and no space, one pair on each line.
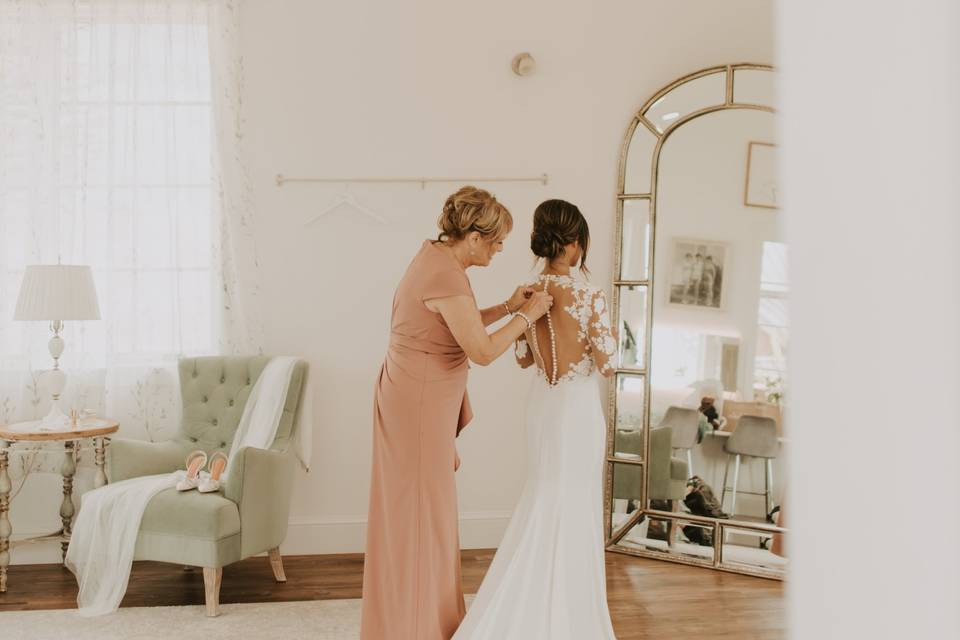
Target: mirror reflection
628,434
712,427
627,480
633,322
753,86
672,537
719,335
635,240
746,549
639,160
706,91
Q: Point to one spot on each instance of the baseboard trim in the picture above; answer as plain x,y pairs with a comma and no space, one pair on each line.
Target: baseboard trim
313,536
348,534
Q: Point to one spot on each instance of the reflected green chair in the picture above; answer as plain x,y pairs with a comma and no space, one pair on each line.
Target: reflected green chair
667,474
249,515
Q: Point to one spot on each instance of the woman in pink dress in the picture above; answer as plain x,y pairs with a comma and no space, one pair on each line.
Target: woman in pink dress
411,579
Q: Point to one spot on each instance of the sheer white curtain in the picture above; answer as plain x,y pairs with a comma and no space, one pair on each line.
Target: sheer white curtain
119,148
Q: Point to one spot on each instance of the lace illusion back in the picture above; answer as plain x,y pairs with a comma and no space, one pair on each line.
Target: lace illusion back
574,339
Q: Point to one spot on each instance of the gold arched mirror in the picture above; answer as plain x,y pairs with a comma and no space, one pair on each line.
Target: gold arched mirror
695,441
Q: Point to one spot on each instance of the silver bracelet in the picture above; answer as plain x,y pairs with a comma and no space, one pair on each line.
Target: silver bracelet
521,314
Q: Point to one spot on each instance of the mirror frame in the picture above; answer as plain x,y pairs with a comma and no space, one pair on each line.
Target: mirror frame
719,525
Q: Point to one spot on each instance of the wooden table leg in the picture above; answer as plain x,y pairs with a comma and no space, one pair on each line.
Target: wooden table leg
100,459
67,470
5,528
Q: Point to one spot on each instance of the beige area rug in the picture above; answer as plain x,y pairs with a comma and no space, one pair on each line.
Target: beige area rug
313,620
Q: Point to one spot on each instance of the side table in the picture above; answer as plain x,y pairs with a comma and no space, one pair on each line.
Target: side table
95,429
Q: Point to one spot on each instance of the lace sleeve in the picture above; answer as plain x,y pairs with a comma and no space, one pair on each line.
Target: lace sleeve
603,339
523,353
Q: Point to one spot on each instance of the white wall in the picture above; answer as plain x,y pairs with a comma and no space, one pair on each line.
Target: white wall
369,88
376,88
870,137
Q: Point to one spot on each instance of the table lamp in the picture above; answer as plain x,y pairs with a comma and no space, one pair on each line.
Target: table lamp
55,293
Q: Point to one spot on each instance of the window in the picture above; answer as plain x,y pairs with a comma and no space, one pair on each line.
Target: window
770,360
106,117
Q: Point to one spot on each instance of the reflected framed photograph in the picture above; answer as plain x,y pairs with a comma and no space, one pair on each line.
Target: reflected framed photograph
697,270
761,188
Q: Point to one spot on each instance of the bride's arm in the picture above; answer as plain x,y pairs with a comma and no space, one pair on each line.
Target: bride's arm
523,353
603,337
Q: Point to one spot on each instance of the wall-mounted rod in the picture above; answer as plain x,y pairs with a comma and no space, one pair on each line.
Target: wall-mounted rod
281,180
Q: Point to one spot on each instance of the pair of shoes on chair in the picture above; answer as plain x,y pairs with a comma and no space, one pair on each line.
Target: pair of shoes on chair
203,482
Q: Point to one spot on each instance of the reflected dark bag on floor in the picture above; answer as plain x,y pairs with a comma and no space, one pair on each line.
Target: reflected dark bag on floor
698,535
701,501
657,529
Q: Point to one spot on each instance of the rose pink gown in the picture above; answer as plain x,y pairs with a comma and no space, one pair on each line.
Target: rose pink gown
411,577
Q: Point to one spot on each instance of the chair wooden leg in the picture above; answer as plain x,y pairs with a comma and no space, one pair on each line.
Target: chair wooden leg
276,563
211,587
672,526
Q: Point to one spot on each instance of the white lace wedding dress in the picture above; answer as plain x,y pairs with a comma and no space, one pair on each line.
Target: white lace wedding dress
547,580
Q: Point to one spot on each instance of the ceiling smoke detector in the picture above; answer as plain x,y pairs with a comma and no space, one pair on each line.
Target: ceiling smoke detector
523,64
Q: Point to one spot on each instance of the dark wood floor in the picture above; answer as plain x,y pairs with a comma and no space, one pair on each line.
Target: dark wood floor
648,598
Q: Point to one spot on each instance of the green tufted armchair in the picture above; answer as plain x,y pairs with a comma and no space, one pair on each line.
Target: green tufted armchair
249,515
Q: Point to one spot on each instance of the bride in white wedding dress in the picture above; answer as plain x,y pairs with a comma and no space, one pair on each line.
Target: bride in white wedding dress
547,580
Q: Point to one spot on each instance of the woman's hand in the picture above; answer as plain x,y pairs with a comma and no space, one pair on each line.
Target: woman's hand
520,296
538,304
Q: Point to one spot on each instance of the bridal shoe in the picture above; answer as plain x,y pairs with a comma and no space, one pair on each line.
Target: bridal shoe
196,460
211,483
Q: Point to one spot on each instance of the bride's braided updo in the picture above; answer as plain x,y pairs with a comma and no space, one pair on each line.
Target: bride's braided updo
471,209
556,224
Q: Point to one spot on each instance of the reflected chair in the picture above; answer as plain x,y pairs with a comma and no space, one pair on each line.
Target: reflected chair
755,437
250,514
628,478
667,475
685,423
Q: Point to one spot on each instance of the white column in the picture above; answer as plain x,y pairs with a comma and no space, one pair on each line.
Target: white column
871,168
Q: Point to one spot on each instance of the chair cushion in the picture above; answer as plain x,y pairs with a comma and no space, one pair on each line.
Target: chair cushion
192,514
678,469
755,436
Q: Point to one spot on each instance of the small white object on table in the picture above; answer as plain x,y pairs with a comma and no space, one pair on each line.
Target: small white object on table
95,429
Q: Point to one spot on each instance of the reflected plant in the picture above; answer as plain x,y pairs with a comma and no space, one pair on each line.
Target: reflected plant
151,410
34,388
773,386
6,411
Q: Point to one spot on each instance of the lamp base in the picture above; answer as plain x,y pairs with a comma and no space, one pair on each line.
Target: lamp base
56,381
55,420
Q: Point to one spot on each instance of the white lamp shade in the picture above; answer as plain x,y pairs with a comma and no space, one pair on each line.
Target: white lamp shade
57,292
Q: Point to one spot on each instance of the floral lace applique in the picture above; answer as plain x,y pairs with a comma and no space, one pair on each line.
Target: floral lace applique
588,308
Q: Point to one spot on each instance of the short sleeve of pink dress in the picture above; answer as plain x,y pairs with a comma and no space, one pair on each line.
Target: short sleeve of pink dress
411,585
445,282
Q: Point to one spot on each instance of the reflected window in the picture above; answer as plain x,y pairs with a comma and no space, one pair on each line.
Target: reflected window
770,364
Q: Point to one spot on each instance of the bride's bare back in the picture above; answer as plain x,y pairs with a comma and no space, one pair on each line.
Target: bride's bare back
585,341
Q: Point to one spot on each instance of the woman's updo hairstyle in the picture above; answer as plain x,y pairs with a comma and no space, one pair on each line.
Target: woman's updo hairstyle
557,223
471,209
